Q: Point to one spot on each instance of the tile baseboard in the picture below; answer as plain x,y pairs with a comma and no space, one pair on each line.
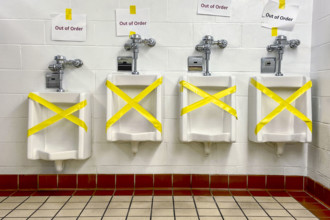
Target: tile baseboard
275,184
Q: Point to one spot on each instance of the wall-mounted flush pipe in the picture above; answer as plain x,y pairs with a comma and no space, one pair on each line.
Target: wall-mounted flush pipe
205,46
134,46
59,67
279,46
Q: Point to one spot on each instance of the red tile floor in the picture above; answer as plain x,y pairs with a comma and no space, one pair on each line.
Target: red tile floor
161,205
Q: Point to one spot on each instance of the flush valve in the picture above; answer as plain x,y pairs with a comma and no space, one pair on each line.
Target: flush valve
55,79
136,40
279,46
205,46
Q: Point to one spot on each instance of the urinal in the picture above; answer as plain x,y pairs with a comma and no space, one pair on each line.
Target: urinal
286,126
132,126
62,140
208,123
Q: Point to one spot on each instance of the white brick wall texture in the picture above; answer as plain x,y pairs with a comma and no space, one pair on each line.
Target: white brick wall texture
319,149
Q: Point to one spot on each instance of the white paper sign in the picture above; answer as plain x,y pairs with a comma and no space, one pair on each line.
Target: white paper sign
283,19
69,30
214,7
127,22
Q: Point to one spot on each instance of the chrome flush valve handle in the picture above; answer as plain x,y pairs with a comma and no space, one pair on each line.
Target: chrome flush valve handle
77,63
150,42
294,43
222,43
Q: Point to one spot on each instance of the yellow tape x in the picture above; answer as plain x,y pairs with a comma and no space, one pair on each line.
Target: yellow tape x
208,98
60,114
284,104
133,103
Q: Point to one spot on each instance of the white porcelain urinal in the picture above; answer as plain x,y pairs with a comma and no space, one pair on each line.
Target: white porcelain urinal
132,126
209,123
285,127
62,140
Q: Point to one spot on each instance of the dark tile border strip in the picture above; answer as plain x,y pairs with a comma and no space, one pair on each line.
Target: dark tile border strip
276,185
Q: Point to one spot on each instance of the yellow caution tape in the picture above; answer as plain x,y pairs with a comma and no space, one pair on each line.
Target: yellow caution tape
133,103
208,98
68,14
274,31
282,4
131,33
60,114
284,104
132,9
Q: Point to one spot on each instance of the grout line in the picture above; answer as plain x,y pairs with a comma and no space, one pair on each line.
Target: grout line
38,208
240,207
17,180
106,208
152,205
5,199
173,206
129,207
217,205
76,181
262,208
247,182
15,207
62,206
284,207
85,206
195,207
115,184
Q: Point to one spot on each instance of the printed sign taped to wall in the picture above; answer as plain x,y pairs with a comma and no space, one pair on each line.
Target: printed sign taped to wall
69,30
138,22
214,7
275,16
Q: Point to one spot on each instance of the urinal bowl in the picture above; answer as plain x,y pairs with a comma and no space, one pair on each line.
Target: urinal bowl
285,127
62,140
209,123
132,126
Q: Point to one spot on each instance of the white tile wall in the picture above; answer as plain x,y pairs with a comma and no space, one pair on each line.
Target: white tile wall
319,150
26,50
33,9
10,57
22,32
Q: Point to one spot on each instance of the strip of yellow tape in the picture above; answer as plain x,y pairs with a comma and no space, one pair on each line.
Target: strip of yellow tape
131,33
208,98
284,104
132,9
282,4
133,103
68,14
60,114
274,31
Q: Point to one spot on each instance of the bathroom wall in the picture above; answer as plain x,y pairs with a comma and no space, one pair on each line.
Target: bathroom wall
26,50
319,150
